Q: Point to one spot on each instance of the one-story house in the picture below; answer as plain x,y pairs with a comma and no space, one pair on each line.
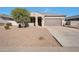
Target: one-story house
38,19
72,20
7,19
42,19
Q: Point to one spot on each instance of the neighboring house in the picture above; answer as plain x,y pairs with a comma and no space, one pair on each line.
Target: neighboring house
6,19
41,19
73,20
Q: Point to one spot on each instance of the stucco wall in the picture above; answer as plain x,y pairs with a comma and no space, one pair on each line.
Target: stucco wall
74,23
13,23
8,21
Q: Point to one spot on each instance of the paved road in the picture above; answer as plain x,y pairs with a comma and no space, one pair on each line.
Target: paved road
68,37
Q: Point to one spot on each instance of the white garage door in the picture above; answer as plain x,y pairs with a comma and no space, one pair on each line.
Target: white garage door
53,21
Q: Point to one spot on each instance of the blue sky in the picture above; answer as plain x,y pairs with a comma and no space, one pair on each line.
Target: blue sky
69,11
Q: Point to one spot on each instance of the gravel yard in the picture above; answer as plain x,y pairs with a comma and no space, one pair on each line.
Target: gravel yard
27,37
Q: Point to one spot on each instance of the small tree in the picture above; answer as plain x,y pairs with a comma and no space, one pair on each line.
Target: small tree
21,15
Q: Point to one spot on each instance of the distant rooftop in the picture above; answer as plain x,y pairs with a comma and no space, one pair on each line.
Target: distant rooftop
76,17
71,17
5,17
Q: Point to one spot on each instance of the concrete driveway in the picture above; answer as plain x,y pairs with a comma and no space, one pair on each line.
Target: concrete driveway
67,37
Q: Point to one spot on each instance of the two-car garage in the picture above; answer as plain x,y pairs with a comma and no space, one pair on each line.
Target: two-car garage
53,21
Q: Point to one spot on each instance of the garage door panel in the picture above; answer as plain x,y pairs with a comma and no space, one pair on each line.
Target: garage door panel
53,22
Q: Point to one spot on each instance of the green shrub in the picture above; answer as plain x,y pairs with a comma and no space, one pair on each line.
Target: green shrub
26,25
7,27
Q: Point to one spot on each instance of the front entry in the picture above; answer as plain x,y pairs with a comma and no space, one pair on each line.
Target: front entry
39,21
32,20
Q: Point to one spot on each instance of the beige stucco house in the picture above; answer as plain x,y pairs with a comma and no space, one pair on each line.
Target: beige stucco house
38,19
41,19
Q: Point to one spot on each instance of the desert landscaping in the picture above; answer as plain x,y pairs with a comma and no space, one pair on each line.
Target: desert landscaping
27,37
